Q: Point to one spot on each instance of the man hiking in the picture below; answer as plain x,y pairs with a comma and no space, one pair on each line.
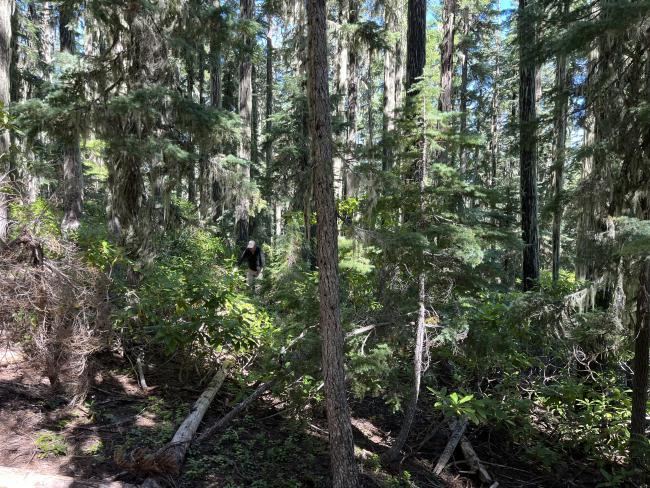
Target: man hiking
255,257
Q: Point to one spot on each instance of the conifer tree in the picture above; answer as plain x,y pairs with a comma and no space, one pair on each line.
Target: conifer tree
528,145
416,57
242,208
341,446
72,169
6,9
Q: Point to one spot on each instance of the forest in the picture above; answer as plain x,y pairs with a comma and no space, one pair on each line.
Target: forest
343,243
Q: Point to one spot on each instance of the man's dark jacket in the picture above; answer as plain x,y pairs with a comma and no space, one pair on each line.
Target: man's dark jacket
254,257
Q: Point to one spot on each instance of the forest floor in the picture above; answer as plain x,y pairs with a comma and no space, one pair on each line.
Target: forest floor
268,447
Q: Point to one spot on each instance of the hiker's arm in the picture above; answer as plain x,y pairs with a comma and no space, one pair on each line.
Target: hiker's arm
241,258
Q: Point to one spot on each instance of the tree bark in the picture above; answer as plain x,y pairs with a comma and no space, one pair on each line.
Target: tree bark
371,89
353,100
561,111
6,9
245,112
343,466
464,61
640,368
415,42
584,268
445,102
528,146
390,88
72,169
191,76
269,92
341,88
494,116
216,99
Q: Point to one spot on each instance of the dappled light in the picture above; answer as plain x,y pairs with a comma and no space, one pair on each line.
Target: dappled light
327,244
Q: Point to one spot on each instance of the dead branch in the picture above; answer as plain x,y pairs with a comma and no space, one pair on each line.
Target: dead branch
57,304
475,462
237,409
458,428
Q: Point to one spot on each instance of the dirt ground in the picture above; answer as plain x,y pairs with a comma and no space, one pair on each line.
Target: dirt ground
269,446
40,432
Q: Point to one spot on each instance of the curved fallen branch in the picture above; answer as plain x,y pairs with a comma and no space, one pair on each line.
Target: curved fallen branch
237,409
456,433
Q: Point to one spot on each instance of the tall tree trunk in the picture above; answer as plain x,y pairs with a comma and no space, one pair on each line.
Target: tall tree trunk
415,43
341,447
255,117
191,178
584,268
201,69
528,146
6,9
494,116
269,92
445,102
371,90
640,367
561,111
464,61
390,89
341,87
353,100
216,99
72,169
416,52
245,112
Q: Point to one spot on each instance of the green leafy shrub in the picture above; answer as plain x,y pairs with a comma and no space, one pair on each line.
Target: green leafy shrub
51,444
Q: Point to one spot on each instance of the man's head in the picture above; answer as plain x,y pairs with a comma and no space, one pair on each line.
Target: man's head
251,245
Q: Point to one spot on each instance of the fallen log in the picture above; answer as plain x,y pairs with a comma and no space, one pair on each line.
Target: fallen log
458,428
185,433
169,459
237,409
475,463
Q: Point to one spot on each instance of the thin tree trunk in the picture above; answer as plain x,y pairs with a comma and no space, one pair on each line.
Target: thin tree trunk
494,121
72,169
245,112
416,50
6,8
216,99
390,82
254,124
269,92
371,90
343,466
464,61
341,86
191,177
201,68
586,221
353,100
528,147
561,111
640,367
